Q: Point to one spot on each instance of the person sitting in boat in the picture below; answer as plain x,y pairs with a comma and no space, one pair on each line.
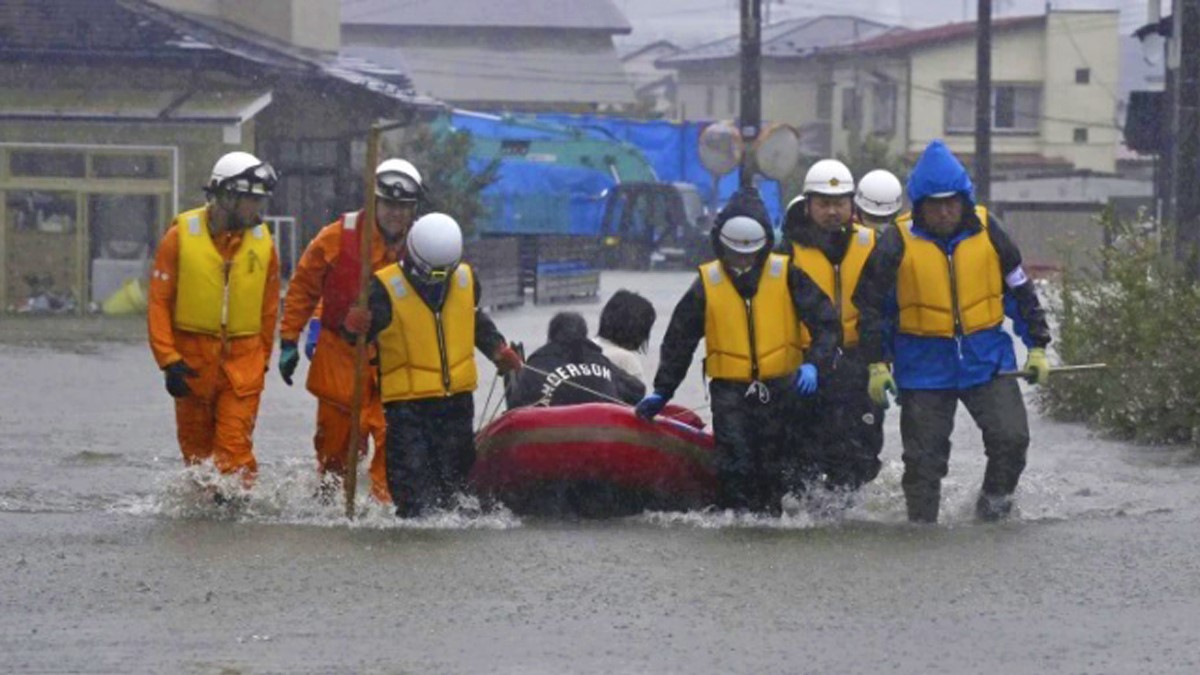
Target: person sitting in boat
624,334
572,369
747,304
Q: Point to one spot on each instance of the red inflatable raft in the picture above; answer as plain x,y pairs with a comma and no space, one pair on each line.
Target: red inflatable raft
594,460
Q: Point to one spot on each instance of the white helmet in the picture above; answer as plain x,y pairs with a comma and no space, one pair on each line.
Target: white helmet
398,180
242,172
743,234
829,177
879,194
435,245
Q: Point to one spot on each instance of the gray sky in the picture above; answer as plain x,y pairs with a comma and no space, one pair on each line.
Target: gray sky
691,22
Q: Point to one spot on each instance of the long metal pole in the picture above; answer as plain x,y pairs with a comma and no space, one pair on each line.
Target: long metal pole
751,99
366,232
983,102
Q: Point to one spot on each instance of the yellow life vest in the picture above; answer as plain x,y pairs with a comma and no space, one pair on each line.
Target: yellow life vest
838,281
213,293
749,340
944,296
423,354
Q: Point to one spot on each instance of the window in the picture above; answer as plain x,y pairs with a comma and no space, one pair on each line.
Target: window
709,102
1081,135
129,166
825,101
47,164
731,100
883,112
1083,75
851,113
1015,108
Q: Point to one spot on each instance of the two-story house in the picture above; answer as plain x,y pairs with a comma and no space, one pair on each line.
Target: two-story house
837,79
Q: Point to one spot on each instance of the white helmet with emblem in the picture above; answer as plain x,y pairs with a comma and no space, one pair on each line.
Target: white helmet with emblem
743,234
829,177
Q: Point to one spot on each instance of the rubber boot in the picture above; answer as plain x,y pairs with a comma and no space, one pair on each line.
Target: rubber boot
922,508
993,508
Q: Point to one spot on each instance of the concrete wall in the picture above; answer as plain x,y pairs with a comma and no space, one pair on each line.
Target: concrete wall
1082,40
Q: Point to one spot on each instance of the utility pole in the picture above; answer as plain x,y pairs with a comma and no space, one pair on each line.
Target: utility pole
983,102
751,103
1185,164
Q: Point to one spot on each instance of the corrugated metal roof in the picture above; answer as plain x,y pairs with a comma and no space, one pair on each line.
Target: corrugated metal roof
788,39
601,15
458,73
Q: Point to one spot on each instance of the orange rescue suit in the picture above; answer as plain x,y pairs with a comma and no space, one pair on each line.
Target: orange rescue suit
331,373
216,421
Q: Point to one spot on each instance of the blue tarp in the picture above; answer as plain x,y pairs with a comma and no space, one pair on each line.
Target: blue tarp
529,196
532,198
673,149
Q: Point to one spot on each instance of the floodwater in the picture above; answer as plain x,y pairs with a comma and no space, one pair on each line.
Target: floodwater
110,561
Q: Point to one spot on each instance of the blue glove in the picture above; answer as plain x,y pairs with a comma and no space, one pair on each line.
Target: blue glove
650,406
806,380
310,338
289,358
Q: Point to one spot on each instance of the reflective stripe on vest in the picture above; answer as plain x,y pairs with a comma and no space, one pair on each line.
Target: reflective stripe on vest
817,266
212,293
423,354
944,296
727,327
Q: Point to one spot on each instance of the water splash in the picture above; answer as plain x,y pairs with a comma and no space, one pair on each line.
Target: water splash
291,494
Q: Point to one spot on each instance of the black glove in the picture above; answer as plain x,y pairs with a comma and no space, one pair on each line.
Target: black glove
177,374
289,358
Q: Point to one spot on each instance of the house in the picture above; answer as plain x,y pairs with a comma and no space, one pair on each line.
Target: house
515,55
1054,91
653,86
114,112
840,80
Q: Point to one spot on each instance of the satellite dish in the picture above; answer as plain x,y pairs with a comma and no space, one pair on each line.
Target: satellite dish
720,148
777,151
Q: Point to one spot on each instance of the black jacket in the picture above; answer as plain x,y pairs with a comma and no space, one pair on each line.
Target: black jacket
687,325
557,373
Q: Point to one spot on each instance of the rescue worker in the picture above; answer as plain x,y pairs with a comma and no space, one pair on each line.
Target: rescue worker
572,369
747,305
840,428
425,318
878,199
624,333
327,278
951,275
214,298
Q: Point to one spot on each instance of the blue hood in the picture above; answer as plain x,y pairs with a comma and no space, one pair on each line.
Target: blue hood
938,170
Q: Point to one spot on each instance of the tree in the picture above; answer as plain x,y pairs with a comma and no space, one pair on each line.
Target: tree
453,183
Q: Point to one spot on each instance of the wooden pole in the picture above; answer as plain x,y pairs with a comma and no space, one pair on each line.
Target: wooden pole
366,231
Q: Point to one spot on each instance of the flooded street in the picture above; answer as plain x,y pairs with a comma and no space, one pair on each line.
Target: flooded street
111,562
